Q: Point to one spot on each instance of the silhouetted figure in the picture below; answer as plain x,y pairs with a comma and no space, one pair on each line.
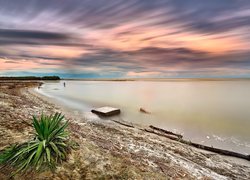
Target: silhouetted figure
64,84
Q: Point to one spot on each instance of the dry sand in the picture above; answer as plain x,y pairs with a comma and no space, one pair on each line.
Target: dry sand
106,149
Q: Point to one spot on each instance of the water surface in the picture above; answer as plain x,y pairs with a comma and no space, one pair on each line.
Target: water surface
214,113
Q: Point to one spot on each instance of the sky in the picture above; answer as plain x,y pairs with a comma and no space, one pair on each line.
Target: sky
125,38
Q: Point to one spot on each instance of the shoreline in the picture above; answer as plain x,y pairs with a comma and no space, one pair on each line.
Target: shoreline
160,79
107,149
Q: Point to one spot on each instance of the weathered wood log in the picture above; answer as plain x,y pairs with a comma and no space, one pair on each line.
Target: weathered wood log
124,123
175,138
219,151
165,131
200,146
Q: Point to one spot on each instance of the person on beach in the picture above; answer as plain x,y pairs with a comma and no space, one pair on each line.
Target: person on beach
64,84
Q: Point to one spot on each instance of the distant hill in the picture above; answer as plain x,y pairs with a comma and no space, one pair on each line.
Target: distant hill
31,78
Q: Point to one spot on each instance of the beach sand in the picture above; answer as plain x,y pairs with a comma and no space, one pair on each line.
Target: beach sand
107,150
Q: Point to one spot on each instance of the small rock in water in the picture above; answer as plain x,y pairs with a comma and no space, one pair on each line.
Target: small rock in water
144,111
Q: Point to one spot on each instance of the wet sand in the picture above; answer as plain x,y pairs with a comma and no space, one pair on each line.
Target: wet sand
108,150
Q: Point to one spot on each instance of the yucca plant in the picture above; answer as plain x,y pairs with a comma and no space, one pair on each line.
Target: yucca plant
48,148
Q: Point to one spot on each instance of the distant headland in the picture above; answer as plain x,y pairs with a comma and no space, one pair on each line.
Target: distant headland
31,78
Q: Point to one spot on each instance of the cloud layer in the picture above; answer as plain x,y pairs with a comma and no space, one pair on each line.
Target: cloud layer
132,38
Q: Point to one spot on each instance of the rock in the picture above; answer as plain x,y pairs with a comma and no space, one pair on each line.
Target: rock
144,111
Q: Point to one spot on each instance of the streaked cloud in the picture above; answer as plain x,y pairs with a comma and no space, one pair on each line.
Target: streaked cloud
132,38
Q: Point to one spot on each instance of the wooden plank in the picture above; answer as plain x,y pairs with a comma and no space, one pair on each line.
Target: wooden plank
165,131
124,123
106,111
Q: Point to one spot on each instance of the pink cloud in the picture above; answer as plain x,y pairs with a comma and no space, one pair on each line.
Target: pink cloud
142,74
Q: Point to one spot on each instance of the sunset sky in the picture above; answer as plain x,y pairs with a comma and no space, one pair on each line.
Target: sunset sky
125,38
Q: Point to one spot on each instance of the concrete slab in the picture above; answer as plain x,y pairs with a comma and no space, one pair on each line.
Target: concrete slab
106,111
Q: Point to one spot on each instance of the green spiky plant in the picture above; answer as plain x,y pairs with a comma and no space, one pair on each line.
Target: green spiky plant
48,148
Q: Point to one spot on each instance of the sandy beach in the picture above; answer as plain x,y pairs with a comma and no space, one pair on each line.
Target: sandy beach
105,149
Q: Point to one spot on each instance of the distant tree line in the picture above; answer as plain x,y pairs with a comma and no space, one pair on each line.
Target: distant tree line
31,78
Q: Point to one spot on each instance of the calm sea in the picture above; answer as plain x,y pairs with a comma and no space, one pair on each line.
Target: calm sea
214,113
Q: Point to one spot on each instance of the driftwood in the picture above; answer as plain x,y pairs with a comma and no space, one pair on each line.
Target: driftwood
165,131
219,151
200,146
124,123
175,138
